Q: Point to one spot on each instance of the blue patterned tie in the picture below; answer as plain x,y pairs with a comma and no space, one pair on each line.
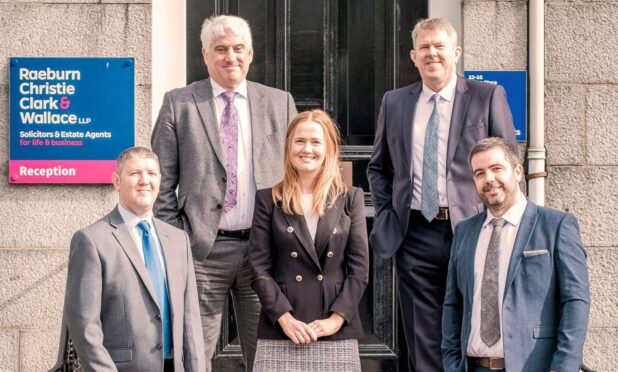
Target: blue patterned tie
490,313
229,140
429,187
155,268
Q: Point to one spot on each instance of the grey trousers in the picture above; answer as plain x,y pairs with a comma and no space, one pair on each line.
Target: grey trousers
226,270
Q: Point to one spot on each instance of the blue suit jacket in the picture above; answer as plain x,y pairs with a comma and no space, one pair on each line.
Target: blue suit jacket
480,110
546,299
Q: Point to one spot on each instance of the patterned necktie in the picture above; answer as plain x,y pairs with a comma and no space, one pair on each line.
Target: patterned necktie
490,314
429,187
229,140
155,269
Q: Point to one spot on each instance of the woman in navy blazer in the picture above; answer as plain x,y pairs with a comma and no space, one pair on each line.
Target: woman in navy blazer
309,256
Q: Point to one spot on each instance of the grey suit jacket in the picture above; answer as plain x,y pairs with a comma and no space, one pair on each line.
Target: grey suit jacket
546,297
480,110
186,139
110,308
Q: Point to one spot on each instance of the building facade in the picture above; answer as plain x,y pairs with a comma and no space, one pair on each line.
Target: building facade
580,112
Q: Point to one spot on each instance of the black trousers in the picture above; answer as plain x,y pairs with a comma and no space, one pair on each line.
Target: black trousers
168,365
422,266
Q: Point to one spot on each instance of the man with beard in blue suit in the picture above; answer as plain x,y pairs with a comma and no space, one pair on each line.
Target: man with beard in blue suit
517,296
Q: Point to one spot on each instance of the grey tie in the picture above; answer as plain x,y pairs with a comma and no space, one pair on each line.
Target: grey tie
490,315
429,187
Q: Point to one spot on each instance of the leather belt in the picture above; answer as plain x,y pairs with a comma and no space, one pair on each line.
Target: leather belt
490,363
242,234
442,214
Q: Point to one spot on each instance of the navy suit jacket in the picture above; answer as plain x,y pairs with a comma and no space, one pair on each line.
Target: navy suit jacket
546,298
480,110
311,279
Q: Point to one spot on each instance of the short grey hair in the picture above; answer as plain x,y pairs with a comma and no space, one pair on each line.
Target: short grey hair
216,26
436,24
490,143
135,152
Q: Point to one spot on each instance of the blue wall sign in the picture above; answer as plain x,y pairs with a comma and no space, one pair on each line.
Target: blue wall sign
515,84
69,118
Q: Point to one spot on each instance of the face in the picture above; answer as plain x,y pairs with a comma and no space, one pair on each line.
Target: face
138,185
435,55
496,181
307,148
228,60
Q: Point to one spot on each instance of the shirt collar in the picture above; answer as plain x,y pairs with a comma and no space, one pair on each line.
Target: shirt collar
130,219
513,215
217,89
447,93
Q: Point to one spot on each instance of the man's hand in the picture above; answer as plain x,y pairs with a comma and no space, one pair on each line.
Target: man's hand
327,327
299,332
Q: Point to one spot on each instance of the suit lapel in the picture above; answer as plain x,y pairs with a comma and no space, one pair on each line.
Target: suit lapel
123,236
202,94
526,227
326,225
299,226
173,262
258,124
460,106
472,241
407,120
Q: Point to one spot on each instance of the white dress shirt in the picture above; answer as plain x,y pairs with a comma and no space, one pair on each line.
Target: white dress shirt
424,108
241,215
513,216
311,218
131,220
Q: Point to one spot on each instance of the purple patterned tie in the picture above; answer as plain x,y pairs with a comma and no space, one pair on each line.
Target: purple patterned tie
229,140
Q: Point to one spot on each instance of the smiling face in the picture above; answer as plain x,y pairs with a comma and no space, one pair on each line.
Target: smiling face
138,184
496,180
228,60
307,149
435,54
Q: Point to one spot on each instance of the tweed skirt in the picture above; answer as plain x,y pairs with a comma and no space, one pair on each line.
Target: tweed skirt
319,356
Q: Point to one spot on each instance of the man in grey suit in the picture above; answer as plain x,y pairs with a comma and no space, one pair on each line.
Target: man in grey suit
131,298
219,140
517,296
420,181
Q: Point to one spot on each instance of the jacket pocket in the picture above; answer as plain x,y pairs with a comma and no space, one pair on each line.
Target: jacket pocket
544,332
121,355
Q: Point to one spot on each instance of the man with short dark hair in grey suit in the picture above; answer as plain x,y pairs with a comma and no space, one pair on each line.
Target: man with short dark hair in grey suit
131,299
219,140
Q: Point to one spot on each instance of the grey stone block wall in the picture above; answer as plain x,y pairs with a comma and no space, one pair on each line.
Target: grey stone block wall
37,221
581,112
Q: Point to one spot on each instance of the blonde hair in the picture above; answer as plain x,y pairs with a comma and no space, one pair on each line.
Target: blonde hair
328,185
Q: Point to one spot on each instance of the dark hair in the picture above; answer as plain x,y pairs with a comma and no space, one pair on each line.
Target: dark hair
489,143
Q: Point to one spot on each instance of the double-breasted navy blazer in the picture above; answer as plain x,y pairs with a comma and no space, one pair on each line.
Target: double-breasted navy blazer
289,272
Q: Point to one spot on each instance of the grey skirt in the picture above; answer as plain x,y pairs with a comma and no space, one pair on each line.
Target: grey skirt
319,356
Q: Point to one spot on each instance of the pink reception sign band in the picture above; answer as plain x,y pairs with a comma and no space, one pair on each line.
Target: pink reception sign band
61,171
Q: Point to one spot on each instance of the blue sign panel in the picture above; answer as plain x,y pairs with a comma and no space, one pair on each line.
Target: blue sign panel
515,85
69,118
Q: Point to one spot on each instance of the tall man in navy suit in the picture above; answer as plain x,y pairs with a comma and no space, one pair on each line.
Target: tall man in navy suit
517,296
420,180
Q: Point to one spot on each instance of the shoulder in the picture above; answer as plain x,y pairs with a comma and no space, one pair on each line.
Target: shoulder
554,216
264,196
195,87
468,223
402,92
478,87
265,90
